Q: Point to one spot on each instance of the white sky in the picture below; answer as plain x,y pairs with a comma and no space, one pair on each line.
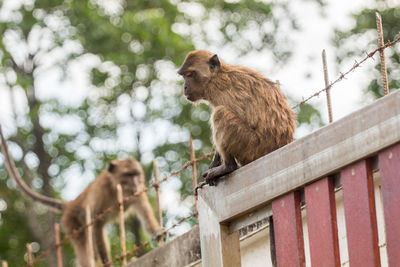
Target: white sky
315,36
317,32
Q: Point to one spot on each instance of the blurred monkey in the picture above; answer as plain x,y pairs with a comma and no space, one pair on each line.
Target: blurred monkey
98,196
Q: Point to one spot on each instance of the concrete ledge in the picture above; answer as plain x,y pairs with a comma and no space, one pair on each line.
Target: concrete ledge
181,251
324,152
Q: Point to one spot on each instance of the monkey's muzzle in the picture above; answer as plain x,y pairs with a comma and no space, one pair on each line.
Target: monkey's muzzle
188,96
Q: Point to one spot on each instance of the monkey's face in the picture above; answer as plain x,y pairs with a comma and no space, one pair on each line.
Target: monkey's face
128,173
197,70
193,86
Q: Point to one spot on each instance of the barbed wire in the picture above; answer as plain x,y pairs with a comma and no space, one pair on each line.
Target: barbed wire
136,250
99,216
118,258
343,75
184,167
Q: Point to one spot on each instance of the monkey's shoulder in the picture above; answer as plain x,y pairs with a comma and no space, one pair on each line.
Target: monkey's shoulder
246,73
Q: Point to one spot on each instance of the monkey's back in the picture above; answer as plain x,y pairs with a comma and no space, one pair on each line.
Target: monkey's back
262,107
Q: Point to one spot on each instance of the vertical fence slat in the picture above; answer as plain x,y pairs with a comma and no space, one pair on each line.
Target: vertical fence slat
157,188
89,236
58,244
321,221
389,166
30,256
120,198
360,215
289,243
194,172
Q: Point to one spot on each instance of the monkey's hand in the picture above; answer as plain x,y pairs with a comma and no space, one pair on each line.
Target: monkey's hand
212,175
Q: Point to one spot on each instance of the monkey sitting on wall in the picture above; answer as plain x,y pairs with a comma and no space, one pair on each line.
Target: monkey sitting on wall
98,196
251,117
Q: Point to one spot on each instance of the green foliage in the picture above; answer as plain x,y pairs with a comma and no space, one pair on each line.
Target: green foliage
12,248
138,46
309,115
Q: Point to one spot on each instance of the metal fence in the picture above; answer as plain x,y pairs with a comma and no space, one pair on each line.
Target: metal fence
221,208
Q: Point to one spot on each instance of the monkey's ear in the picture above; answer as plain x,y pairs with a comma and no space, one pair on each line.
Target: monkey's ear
111,167
215,65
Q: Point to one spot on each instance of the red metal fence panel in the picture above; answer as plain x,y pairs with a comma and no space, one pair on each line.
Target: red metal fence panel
389,165
322,224
288,230
360,215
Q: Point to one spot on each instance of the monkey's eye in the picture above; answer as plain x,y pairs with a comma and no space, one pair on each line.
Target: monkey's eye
189,74
133,173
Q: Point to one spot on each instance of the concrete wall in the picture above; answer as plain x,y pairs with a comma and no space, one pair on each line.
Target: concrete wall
181,251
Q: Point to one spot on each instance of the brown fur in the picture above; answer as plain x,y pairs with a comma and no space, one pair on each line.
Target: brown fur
99,196
102,194
251,117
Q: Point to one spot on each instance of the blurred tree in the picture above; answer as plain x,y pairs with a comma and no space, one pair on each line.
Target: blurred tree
131,104
364,31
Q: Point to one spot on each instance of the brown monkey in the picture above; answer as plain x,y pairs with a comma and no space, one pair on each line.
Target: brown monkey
99,196
251,117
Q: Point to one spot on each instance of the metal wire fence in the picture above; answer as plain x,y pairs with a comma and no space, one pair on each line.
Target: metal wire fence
101,216
192,163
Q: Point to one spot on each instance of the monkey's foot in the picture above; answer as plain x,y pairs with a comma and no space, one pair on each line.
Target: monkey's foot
213,174
216,161
159,235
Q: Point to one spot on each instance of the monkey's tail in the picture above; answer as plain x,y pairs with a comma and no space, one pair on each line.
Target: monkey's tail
12,170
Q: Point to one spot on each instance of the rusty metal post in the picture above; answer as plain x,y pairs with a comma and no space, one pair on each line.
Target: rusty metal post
157,187
4,264
121,223
194,172
327,86
381,43
89,236
30,256
58,244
